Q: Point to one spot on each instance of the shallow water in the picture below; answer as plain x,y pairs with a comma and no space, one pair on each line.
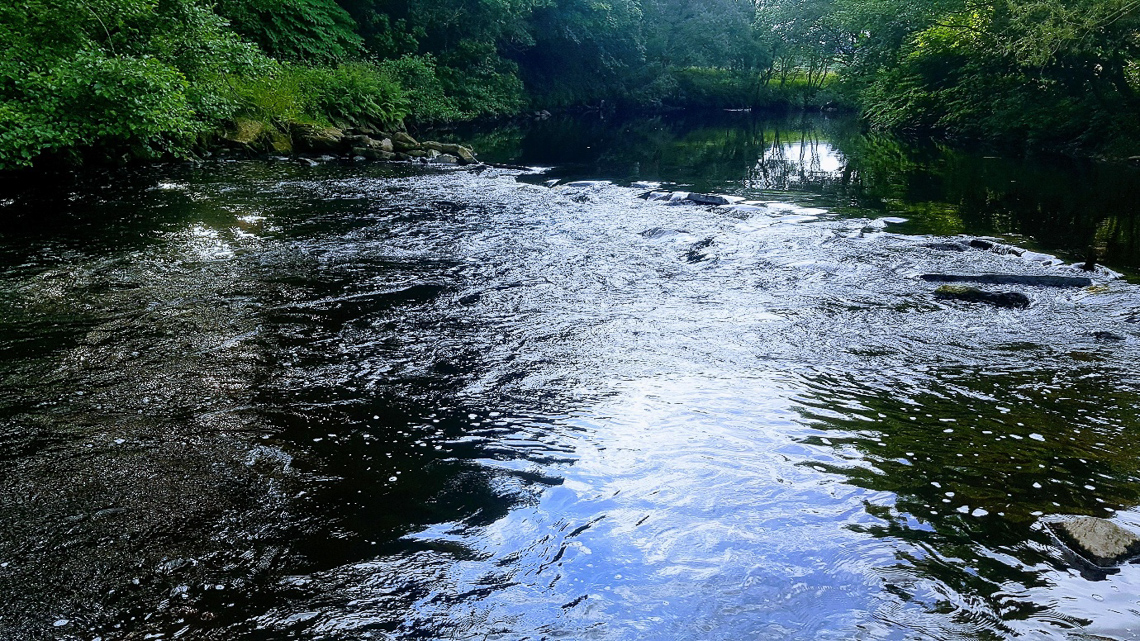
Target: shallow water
264,401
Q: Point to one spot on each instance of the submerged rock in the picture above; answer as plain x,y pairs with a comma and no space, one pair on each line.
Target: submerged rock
1013,300
946,247
1098,541
713,199
989,245
693,197
742,208
1009,279
1107,336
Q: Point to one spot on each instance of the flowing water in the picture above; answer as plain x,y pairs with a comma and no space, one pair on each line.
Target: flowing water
251,400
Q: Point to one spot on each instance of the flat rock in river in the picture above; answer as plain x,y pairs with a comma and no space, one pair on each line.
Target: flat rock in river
1098,541
975,295
713,199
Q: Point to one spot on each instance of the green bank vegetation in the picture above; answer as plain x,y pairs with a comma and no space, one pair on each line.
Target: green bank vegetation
109,80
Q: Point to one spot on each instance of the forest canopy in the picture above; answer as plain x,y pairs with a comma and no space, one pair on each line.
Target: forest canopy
107,79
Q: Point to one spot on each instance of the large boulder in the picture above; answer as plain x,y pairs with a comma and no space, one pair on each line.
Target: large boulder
368,142
403,142
317,139
279,143
1098,541
463,153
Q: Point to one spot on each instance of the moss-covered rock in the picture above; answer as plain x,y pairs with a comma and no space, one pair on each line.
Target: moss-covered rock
317,138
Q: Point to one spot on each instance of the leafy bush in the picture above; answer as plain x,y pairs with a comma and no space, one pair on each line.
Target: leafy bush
427,101
135,105
734,89
481,82
121,76
355,93
26,133
717,88
275,98
312,31
135,102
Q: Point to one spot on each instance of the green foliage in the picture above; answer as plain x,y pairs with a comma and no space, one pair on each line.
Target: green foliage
276,98
704,34
1026,72
352,94
487,89
135,102
425,94
314,31
25,133
718,88
737,89
120,76
583,51
155,77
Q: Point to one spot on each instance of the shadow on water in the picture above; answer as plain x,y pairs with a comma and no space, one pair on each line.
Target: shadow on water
1060,204
212,377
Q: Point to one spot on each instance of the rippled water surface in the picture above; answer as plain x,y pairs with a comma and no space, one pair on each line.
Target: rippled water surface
266,401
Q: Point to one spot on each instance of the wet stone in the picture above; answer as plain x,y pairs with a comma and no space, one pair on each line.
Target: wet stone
1098,541
713,199
1107,336
403,142
946,247
1012,300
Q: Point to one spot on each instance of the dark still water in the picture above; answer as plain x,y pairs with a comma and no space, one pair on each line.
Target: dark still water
362,401
1059,203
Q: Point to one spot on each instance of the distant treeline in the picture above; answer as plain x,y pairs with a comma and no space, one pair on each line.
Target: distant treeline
114,79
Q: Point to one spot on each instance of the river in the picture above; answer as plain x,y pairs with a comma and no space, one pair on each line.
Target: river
262,400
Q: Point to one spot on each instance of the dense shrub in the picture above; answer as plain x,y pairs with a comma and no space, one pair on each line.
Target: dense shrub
314,31
426,97
119,76
353,93
738,89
